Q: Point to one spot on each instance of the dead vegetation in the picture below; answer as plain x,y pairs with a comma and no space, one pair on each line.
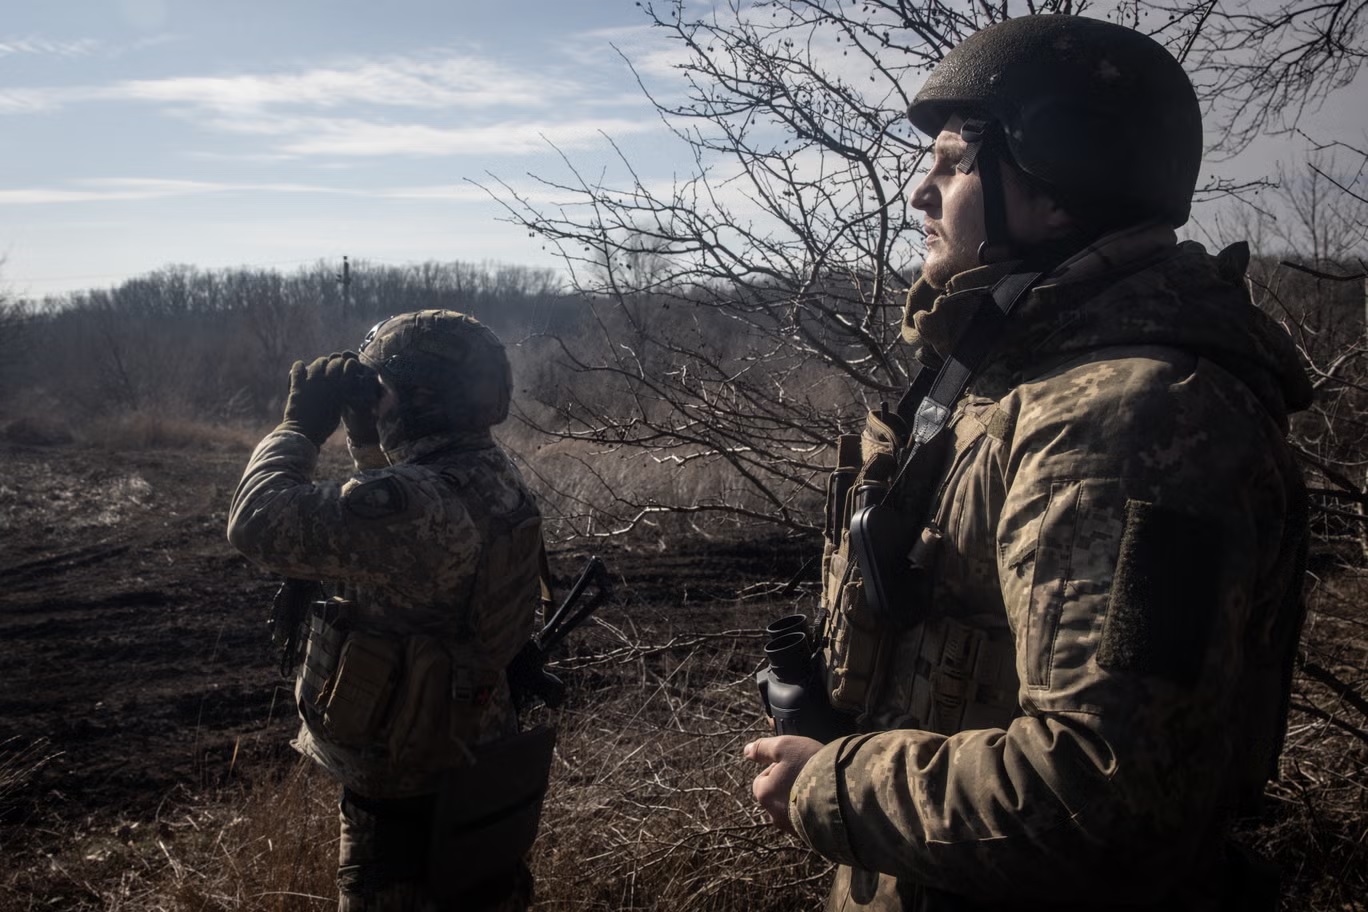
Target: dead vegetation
649,808
650,805
724,407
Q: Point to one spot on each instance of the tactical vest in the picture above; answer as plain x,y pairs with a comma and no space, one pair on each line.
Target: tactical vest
418,698
961,678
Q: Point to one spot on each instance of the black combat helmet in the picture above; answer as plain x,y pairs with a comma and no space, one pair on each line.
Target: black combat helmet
1101,114
450,369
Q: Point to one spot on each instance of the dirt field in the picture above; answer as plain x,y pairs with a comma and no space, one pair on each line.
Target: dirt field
138,674
144,759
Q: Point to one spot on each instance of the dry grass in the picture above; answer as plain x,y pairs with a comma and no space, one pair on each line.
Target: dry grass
1316,827
130,431
589,490
650,806
152,431
20,760
264,849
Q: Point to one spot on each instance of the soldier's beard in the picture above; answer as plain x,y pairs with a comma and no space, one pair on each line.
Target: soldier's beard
947,258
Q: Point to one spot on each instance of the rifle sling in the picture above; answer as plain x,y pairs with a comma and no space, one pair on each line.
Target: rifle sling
931,394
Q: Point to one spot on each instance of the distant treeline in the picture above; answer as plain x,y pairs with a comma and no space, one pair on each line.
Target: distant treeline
746,384
216,344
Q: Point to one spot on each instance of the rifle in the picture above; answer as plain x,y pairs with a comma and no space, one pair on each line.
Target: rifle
527,674
289,619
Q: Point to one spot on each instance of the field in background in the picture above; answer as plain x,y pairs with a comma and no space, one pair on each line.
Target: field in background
143,730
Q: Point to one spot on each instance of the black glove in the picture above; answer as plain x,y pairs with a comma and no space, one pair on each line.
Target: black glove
361,394
314,407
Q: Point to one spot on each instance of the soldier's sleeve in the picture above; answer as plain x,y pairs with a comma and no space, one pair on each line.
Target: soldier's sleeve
1130,547
376,527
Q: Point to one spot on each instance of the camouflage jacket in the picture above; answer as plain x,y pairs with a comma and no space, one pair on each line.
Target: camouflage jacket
405,543
1120,505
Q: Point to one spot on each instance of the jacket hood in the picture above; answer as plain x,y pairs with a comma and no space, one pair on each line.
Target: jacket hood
1171,295
420,449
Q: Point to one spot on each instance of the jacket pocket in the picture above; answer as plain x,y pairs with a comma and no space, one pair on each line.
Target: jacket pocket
855,641
1051,559
1071,567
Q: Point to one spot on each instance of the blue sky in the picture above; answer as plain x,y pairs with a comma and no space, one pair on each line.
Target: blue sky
138,133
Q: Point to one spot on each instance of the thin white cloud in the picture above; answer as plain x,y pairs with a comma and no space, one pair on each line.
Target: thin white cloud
346,137
651,51
125,189
453,81
460,81
28,101
292,109
79,47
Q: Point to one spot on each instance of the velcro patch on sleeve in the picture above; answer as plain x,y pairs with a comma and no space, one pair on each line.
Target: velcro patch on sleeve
1164,596
375,498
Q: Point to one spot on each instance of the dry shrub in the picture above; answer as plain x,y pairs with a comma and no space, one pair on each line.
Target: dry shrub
589,490
271,848
650,806
1316,825
273,852
20,760
36,430
144,430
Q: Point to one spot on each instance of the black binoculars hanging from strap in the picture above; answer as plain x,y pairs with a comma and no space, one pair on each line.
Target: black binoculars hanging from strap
791,687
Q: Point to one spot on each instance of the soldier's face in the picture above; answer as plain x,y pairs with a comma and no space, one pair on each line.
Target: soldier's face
952,202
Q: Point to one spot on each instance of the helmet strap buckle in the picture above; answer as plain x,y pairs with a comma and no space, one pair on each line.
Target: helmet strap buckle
981,139
973,132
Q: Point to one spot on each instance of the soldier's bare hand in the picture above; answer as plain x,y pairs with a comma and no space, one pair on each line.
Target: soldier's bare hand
784,758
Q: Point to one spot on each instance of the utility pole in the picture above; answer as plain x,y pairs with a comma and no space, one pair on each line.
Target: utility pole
344,279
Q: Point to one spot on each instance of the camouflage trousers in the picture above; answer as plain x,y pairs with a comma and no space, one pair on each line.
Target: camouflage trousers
384,863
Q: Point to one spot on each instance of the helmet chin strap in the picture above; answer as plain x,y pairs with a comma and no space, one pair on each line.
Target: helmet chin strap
982,140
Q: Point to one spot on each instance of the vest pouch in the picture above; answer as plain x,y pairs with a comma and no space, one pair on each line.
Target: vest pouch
358,696
321,656
421,735
881,542
854,648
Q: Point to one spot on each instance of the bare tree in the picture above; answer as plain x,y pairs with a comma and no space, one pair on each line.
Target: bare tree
1261,66
14,315
1313,276
790,244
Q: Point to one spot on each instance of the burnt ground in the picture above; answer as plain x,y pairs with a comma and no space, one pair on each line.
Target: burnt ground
135,663
138,687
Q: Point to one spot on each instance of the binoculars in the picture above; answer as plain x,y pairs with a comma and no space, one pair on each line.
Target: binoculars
792,690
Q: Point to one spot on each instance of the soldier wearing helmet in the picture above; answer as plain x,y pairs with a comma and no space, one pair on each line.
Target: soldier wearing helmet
1064,649
433,547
